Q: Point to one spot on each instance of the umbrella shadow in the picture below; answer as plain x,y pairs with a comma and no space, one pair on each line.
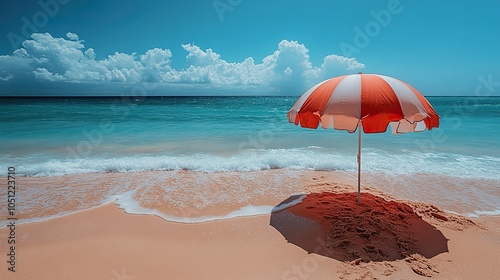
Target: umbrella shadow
335,226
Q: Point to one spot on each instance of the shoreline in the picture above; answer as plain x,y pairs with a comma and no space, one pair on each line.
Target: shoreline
187,196
107,243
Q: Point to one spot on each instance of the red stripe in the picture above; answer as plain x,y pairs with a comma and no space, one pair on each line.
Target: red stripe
310,112
379,104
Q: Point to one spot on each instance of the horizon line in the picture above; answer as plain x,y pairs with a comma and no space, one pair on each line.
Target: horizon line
152,96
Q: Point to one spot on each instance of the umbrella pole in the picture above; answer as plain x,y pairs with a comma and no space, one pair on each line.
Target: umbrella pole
359,163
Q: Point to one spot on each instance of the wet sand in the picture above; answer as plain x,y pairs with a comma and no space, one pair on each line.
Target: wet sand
326,236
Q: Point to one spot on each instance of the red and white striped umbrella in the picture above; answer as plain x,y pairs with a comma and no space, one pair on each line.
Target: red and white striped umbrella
372,102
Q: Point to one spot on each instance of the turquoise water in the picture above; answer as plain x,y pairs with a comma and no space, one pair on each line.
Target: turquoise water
54,136
455,166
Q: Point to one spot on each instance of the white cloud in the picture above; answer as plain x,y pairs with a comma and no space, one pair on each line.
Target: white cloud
156,63
72,36
44,74
6,79
197,57
288,70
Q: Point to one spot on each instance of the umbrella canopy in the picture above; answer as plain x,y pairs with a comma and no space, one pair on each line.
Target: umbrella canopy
372,102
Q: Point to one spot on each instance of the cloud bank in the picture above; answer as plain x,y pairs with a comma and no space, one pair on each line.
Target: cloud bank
65,63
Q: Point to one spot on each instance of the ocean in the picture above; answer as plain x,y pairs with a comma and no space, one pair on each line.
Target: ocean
232,156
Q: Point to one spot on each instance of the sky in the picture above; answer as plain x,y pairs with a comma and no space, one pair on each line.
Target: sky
244,47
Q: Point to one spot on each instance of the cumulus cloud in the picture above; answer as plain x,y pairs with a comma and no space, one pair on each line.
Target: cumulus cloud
72,36
44,74
288,70
197,57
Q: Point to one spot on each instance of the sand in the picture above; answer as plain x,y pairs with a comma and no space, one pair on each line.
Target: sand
326,236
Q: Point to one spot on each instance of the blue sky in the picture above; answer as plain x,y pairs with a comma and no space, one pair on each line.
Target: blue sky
243,47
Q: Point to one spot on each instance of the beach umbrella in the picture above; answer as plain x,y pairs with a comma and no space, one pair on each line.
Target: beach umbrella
369,102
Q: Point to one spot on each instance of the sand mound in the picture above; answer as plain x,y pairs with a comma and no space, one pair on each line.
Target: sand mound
379,230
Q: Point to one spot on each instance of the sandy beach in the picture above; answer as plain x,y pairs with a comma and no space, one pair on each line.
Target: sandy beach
231,139
326,236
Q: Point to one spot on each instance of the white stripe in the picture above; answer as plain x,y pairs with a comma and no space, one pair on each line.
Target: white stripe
344,104
420,126
412,108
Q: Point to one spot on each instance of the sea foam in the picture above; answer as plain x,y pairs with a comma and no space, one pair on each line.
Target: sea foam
126,202
308,158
